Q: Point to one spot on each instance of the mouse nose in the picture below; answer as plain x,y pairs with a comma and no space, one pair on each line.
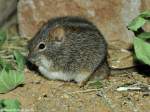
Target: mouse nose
31,58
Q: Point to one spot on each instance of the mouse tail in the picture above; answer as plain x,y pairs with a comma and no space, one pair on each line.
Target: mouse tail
122,71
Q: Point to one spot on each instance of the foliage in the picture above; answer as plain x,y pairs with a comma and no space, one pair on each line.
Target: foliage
9,105
95,84
11,75
141,41
12,78
2,37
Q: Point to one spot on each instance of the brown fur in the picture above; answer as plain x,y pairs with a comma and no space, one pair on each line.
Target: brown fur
74,46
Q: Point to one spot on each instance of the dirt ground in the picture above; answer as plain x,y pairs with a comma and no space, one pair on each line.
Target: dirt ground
41,95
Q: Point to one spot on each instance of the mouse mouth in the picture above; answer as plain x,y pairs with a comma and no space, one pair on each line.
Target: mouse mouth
31,66
34,60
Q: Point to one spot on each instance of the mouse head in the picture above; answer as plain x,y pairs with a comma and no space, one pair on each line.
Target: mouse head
45,45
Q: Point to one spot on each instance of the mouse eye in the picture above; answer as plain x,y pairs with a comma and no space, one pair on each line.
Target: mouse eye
41,46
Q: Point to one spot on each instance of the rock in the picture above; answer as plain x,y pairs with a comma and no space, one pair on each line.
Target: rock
146,5
110,16
7,7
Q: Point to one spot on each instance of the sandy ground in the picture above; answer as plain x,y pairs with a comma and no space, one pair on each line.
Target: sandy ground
41,95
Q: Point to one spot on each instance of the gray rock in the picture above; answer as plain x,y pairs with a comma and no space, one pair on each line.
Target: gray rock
110,16
7,7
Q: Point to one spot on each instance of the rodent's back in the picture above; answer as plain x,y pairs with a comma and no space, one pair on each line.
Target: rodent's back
69,48
84,47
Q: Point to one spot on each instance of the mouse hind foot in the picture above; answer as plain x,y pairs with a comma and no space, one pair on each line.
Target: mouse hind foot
102,72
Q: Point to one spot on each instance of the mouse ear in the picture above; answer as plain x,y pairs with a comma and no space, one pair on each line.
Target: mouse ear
57,34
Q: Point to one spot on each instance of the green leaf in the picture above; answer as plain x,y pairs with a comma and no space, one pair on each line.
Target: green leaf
145,14
142,50
144,36
142,41
1,104
136,23
10,80
5,65
2,37
95,84
9,105
20,60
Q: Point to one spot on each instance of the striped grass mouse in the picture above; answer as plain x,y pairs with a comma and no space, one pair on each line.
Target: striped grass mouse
69,48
